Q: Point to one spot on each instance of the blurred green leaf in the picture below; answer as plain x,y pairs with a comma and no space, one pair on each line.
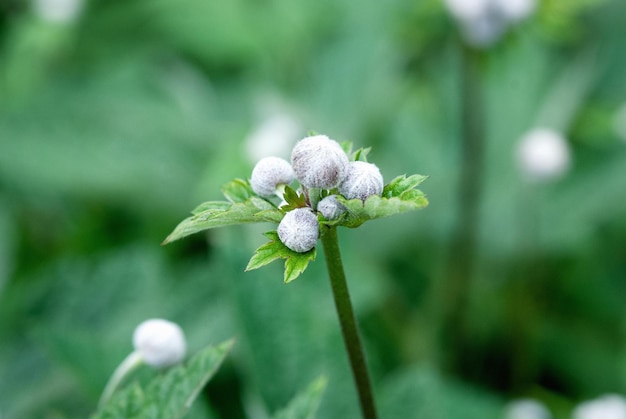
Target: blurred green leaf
170,395
295,263
421,392
305,404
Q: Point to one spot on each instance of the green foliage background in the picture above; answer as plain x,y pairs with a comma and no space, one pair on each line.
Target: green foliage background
114,126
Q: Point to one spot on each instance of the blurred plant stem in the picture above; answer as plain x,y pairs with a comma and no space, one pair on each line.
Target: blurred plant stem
456,285
347,321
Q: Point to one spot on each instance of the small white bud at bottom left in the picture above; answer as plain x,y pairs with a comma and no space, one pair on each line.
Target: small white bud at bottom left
160,343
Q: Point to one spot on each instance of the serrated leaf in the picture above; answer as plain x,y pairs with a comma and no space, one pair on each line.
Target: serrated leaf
376,206
253,210
170,395
293,199
237,190
295,263
305,404
401,184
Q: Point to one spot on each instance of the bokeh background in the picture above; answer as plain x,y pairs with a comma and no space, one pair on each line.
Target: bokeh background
119,117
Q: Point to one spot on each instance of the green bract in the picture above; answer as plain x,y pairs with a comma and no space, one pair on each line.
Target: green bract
243,206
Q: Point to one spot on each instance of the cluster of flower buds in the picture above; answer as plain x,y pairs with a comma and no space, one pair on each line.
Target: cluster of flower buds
319,164
483,22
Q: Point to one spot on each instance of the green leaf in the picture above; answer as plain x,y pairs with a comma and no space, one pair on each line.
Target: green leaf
295,263
211,205
170,395
398,197
293,199
347,147
401,184
252,210
361,154
237,190
305,404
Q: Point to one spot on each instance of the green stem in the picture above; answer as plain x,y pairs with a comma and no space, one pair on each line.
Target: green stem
128,365
347,321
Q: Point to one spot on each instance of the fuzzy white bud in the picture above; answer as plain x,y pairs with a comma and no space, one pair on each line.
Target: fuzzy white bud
611,406
543,154
330,208
319,162
299,230
527,409
268,173
363,180
160,343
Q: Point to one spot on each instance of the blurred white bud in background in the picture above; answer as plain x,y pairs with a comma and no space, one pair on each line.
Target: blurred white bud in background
467,9
543,154
516,10
58,11
527,409
274,136
160,343
610,406
619,122
484,22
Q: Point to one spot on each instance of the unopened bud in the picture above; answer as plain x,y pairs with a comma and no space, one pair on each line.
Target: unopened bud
543,154
299,230
268,174
363,180
160,343
610,406
330,208
319,162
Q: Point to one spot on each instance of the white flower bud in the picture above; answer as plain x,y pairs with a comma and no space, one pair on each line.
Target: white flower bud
527,409
611,406
268,173
516,10
273,136
543,154
319,162
467,9
160,343
330,208
58,11
299,230
363,180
